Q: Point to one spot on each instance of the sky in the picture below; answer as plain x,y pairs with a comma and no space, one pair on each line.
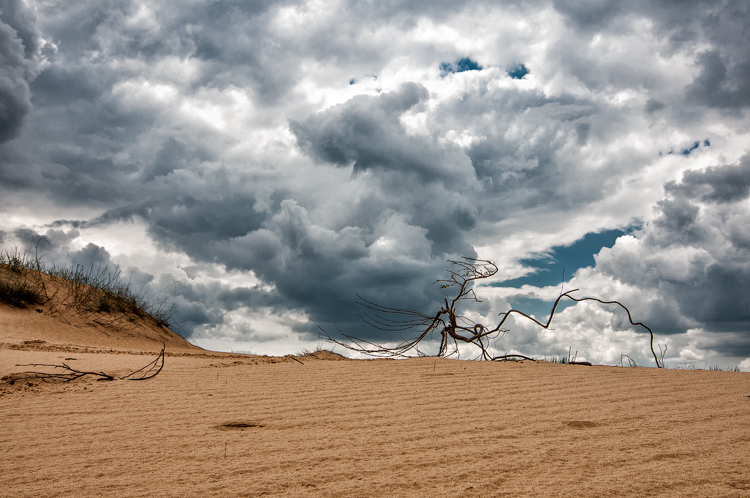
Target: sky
259,163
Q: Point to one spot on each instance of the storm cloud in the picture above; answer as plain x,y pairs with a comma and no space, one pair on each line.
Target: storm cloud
276,158
686,270
20,50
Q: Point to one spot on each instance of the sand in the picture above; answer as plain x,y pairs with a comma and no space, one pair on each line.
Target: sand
215,424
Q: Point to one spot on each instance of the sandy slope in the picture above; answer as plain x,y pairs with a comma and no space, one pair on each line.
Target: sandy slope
232,425
57,324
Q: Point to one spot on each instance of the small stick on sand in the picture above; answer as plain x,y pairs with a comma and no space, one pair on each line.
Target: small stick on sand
69,374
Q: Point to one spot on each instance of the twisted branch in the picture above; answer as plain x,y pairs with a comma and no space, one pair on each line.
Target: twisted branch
69,374
454,328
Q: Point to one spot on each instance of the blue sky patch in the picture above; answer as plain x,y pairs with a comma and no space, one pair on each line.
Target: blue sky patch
465,64
686,151
580,254
549,271
518,72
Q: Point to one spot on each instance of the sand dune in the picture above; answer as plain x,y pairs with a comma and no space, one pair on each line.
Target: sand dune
216,424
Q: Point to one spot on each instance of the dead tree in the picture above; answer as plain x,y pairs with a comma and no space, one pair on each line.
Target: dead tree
452,327
66,373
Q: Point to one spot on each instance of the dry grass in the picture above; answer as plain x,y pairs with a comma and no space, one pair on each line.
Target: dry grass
89,289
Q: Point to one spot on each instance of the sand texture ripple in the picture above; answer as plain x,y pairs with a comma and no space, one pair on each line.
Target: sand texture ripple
224,425
218,424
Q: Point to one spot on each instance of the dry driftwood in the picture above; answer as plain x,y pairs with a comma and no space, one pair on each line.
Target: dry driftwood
66,373
453,327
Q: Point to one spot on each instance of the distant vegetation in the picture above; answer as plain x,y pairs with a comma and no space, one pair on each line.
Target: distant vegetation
25,281
717,368
714,368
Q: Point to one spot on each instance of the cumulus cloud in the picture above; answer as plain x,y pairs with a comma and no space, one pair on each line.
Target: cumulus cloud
724,70
685,272
20,47
694,251
719,184
366,133
717,86
279,157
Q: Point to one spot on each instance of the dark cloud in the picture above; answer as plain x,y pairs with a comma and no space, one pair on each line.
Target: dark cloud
654,105
678,221
320,269
59,85
582,133
366,133
724,78
229,38
19,63
406,13
589,13
722,184
253,137
523,155
718,86
53,249
692,257
17,15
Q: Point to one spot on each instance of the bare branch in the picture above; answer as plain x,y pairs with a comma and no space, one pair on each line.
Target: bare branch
148,369
67,373
509,356
454,328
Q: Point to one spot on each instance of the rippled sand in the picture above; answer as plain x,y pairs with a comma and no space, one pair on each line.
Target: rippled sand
233,425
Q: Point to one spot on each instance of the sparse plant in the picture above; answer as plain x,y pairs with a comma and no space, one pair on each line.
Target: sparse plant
453,327
309,352
685,366
95,288
19,287
631,361
662,353
566,359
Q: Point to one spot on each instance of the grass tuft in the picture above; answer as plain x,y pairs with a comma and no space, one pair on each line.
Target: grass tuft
86,289
307,352
717,368
19,286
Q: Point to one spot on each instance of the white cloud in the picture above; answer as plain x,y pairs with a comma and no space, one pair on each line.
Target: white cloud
294,153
